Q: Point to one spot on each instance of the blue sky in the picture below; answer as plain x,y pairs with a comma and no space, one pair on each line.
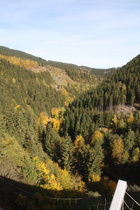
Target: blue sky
94,33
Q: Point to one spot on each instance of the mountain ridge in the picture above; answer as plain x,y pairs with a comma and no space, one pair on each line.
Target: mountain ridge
20,54
68,76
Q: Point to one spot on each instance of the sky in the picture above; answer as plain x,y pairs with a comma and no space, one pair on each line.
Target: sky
93,33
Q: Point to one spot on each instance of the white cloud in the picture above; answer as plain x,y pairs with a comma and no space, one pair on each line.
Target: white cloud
95,33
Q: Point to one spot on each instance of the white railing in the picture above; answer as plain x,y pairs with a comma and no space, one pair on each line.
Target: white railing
118,198
118,201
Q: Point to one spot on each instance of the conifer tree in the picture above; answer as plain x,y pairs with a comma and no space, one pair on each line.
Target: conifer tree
66,153
129,140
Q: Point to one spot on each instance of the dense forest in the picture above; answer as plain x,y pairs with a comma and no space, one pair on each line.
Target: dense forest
66,131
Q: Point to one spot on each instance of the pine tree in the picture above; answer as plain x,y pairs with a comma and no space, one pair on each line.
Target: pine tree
52,143
135,154
121,126
131,97
129,140
66,153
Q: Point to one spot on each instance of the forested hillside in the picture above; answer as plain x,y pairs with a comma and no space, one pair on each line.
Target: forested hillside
121,88
68,79
64,129
65,66
109,117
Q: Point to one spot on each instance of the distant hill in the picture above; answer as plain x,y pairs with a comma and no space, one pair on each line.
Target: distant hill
65,66
71,78
21,87
20,54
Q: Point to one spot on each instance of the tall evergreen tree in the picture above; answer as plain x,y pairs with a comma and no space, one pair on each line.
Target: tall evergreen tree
66,153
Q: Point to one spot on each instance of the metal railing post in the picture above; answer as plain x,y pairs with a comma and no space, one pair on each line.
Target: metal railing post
119,194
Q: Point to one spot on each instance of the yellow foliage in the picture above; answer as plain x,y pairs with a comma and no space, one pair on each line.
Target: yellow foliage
118,148
118,152
67,181
28,64
55,112
50,180
64,92
55,123
14,80
131,118
123,87
115,120
7,141
17,107
43,118
79,141
61,180
52,184
94,178
43,169
98,136
79,185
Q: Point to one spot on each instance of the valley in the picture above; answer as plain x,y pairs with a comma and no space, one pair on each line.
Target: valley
61,126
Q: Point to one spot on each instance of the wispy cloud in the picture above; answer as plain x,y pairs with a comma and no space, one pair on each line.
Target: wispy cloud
95,33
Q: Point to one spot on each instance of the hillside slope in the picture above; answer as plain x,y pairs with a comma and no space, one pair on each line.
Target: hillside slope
31,108
121,88
111,113
72,78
